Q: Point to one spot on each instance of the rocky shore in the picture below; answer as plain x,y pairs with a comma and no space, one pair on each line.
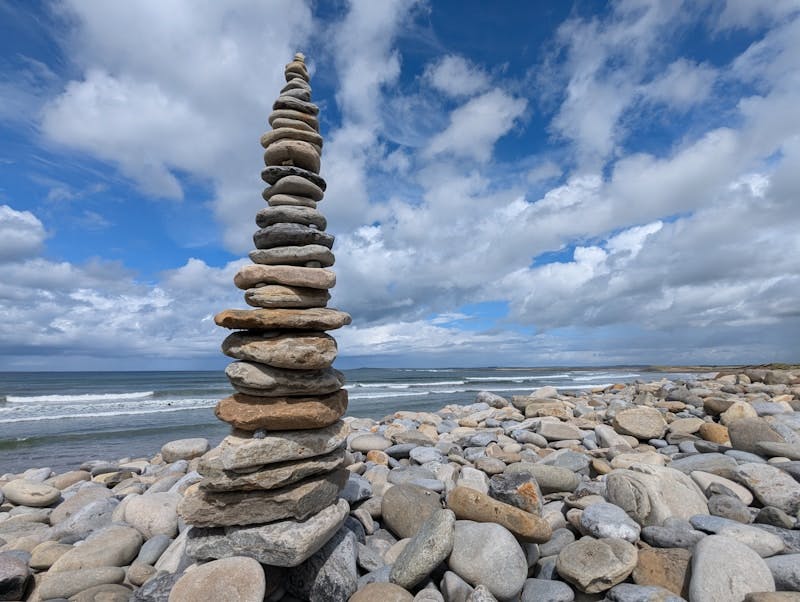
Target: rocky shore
659,491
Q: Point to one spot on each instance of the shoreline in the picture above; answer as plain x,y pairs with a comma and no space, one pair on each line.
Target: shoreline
730,445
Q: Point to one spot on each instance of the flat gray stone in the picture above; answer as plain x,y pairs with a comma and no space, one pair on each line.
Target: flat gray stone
771,485
730,507
628,592
724,569
152,549
271,476
88,519
157,588
288,214
546,590
763,543
356,489
607,520
298,501
786,571
240,450
274,173
714,463
454,588
14,577
299,255
329,574
426,550
290,235
65,584
284,543
405,508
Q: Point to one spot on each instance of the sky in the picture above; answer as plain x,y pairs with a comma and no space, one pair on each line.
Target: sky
519,183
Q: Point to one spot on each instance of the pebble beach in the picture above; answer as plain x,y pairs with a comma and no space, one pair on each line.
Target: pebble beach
664,490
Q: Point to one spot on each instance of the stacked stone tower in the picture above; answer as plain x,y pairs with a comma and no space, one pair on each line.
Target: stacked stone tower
276,479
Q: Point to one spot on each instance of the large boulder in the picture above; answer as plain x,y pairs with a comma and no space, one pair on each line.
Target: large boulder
651,494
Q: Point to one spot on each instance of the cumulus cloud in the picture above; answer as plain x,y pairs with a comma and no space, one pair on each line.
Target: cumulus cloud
477,125
191,100
456,76
682,84
21,234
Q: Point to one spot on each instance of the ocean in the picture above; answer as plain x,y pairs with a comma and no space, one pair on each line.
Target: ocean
61,419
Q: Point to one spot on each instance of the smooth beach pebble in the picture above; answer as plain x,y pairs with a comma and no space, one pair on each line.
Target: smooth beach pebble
595,565
237,579
724,569
184,449
488,554
31,493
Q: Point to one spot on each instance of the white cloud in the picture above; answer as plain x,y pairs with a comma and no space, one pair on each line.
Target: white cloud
100,310
752,14
456,76
476,126
682,84
21,234
192,99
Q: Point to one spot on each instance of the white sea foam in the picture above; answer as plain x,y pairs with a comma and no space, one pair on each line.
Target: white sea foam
77,397
382,395
517,379
103,414
604,376
396,385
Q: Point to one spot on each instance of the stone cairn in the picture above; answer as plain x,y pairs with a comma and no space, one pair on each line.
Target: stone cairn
271,488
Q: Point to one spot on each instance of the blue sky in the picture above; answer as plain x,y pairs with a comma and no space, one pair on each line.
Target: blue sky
542,183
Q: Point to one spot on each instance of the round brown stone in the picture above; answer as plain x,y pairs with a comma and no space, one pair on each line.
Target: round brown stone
293,152
283,319
716,433
250,413
664,567
306,351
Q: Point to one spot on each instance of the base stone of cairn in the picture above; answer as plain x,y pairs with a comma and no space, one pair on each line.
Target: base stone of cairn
271,489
